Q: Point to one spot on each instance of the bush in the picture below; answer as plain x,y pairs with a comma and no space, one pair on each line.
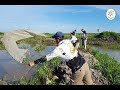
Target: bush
109,35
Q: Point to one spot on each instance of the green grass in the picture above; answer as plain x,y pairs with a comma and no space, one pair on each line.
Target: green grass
99,39
35,42
88,48
106,40
2,47
109,66
48,35
1,44
39,47
104,44
45,70
32,40
109,46
109,36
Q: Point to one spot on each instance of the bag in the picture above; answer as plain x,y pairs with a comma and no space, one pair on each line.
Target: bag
76,63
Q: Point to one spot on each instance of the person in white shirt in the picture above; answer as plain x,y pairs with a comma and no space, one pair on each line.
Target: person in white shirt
70,55
74,39
84,39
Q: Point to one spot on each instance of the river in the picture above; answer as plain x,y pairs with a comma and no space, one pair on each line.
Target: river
11,70
112,53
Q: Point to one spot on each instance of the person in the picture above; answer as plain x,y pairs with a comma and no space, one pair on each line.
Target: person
84,39
74,39
71,57
74,32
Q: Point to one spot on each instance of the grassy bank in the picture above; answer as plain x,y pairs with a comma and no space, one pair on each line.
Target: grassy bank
35,42
44,73
32,40
1,44
105,45
106,40
109,67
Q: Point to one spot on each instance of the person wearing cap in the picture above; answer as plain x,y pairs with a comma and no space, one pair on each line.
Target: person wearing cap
84,39
69,54
74,32
74,39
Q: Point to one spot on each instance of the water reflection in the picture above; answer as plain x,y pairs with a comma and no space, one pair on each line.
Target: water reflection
10,69
112,53
47,50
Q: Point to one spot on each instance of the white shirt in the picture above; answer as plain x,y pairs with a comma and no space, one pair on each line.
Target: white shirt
65,50
84,35
73,39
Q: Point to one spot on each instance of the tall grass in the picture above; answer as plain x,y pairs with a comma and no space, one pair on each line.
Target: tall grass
109,66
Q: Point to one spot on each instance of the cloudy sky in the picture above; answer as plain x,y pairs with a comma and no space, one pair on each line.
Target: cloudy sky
53,18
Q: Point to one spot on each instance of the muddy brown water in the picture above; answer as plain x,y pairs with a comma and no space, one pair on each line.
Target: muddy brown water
11,70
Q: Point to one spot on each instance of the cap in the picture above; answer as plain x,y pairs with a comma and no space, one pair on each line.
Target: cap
73,33
58,35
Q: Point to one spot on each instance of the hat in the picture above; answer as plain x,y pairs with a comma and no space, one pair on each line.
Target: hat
58,35
73,32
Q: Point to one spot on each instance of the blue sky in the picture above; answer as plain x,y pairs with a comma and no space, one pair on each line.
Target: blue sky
53,18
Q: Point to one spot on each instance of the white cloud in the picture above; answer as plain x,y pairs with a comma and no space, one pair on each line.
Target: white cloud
106,7
19,13
36,17
54,27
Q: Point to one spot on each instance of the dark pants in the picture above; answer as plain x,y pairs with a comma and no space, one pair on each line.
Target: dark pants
84,42
76,44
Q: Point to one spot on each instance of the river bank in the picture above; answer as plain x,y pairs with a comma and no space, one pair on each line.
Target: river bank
49,67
